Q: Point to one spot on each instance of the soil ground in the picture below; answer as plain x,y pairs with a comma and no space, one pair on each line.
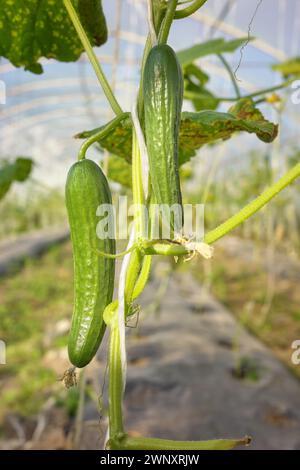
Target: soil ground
194,371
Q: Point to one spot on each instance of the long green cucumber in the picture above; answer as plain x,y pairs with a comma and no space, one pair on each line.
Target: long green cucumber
163,95
86,190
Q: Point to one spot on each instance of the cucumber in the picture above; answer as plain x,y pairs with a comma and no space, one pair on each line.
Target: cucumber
86,189
163,95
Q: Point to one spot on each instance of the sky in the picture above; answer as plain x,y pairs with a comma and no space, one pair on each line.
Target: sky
43,112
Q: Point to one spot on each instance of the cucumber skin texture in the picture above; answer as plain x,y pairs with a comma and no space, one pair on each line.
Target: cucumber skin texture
86,189
163,96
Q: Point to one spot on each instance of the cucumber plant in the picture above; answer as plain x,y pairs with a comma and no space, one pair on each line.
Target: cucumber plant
159,114
155,126
153,140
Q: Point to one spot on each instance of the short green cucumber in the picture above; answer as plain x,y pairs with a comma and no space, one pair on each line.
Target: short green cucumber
86,190
163,95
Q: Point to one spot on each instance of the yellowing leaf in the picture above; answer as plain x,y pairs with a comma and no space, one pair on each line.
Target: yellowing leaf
288,68
31,29
196,130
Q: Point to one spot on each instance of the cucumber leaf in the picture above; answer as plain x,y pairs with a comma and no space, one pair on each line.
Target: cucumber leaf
196,130
23,167
117,142
195,90
19,170
200,97
6,178
32,29
214,46
289,68
119,170
207,127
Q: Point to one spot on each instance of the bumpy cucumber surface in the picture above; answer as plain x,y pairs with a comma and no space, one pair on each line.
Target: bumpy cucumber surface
86,189
163,95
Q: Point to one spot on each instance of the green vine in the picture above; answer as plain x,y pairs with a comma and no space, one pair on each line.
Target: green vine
138,256
144,443
231,75
167,22
101,134
264,91
188,11
253,206
92,57
115,380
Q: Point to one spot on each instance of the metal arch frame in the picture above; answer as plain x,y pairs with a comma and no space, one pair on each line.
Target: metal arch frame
48,100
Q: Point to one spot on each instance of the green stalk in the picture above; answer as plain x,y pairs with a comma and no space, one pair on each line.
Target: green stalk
253,206
147,49
151,443
158,17
188,11
137,189
163,247
167,22
116,428
190,95
134,272
92,57
261,92
138,270
143,277
132,275
121,254
106,130
231,75
130,271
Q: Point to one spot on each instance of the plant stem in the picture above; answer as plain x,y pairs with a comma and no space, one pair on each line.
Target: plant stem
138,189
143,277
151,22
147,49
167,22
190,95
116,255
143,443
231,75
132,276
261,92
80,410
158,16
101,134
137,270
179,14
115,382
92,57
163,247
253,206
